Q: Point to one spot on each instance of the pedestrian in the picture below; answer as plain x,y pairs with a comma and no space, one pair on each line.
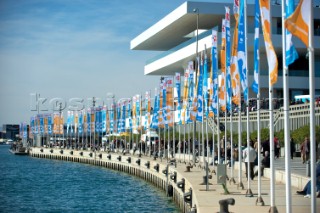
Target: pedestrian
265,163
249,154
305,147
255,146
292,147
307,189
265,146
276,147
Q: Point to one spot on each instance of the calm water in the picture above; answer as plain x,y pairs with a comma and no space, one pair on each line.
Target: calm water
40,185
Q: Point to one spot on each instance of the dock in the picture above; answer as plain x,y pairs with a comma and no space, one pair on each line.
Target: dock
169,175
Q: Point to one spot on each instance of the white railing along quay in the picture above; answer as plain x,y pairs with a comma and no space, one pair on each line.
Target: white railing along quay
299,116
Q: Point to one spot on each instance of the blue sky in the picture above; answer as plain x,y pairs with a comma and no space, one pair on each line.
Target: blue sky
68,49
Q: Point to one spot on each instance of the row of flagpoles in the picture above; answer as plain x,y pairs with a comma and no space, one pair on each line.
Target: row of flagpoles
203,95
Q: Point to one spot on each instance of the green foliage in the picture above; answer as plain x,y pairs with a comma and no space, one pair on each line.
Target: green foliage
299,134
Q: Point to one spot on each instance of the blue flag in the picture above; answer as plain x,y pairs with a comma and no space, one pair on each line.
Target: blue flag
255,84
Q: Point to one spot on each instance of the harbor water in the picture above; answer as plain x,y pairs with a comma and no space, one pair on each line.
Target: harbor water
41,185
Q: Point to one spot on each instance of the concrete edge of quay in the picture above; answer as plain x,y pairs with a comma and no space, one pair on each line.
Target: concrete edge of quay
147,171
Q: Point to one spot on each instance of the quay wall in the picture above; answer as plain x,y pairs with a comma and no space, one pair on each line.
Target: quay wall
129,164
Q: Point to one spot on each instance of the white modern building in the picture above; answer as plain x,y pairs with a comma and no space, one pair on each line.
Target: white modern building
174,36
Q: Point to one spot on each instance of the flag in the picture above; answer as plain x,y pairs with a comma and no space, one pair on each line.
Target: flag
222,98
169,99
177,95
61,124
80,122
71,120
242,52
129,115
147,110
104,119
112,117
98,119
118,118
228,57
192,94
214,73
41,124
93,120
271,55
185,96
155,121
291,52
160,117
164,103
138,112
134,112
235,78
255,84
199,116
205,83
76,121
298,22
123,119
85,122
50,124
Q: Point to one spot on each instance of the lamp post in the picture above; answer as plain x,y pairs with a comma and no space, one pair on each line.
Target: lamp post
195,10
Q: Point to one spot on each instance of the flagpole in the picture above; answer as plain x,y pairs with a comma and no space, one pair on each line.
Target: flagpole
273,207
249,192
286,113
213,142
196,10
218,124
184,142
173,120
312,111
231,144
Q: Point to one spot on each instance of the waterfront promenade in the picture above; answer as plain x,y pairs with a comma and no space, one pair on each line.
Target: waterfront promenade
204,201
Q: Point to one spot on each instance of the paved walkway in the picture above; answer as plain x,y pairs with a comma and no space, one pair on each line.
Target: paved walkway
208,201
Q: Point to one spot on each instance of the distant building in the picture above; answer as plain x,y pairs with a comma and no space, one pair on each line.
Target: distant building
10,131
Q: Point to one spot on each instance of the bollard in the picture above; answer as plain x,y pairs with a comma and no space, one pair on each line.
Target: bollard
81,153
165,172
109,157
51,150
61,151
90,154
156,167
41,150
147,164
181,184
170,190
174,177
129,159
308,168
205,182
187,197
71,152
224,205
119,158
188,168
173,163
138,162
100,155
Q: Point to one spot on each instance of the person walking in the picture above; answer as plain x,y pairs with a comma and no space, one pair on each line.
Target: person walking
249,154
276,147
305,147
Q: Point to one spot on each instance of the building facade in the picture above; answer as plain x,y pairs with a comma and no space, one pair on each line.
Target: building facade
174,36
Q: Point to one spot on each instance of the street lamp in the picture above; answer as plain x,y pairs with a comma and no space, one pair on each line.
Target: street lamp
195,10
